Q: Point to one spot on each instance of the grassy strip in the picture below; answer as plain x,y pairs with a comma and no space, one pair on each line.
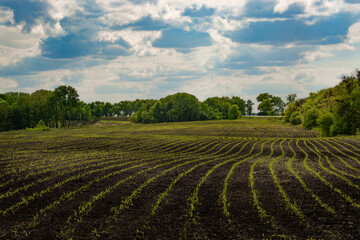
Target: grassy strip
302,182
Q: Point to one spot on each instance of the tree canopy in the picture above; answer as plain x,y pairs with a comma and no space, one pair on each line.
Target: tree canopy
334,110
62,108
182,107
269,104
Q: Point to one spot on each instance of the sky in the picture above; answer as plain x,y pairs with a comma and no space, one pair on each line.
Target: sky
114,50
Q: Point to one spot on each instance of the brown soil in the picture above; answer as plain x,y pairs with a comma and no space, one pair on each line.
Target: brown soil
338,188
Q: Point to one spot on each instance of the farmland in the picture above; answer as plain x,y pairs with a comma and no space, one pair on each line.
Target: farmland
242,179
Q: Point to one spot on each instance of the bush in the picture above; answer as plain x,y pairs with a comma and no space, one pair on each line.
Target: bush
310,117
39,127
325,122
239,115
288,111
295,118
233,112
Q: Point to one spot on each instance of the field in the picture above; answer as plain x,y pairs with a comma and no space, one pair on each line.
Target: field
243,179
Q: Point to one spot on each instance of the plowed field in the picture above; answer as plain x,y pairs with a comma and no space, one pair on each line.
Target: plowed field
247,179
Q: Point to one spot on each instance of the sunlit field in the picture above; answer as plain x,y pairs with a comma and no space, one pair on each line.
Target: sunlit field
254,178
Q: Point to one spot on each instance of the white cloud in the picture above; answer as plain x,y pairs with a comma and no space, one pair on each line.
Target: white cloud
6,83
224,24
195,72
140,41
228,7
124,12
16,45
354,33
60,8
326,51
317,7
121,14
6,15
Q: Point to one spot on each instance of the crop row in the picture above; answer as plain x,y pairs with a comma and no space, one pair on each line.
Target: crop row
95,189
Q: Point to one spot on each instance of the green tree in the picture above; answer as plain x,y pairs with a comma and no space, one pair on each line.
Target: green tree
239,102
291,98
269,104
355,108
278,104
295,118
233,112
263,96
265,107
67,100
288,111
325,122
310,116
185,107
249,107
43,106
4,117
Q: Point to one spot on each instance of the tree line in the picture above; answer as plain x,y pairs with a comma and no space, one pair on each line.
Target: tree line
182,107
59,108
63,108
334,110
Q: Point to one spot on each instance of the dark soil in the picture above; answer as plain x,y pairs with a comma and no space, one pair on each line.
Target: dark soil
338,188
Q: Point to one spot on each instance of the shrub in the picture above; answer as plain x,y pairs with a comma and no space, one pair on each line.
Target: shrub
288,111
295,118
233,112
325,122
39,127
310,117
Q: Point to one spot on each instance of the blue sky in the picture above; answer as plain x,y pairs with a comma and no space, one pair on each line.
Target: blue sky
113,50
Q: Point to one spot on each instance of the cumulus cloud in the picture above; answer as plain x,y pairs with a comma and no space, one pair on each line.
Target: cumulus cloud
140,41
6,83
16,45
354,33
311,7
151,48
60,9
6,15
326,51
